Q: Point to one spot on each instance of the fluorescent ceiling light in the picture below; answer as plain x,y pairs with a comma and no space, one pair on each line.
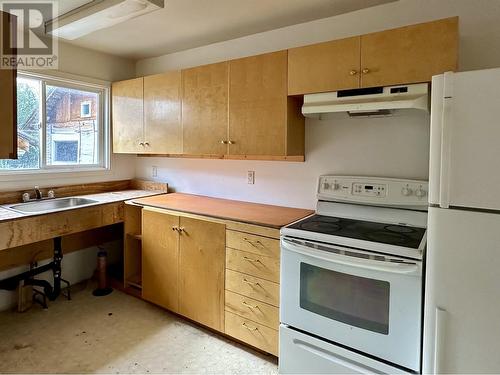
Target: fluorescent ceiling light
97,15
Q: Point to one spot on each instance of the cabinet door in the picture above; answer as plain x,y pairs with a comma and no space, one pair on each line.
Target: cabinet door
204,109
201,267
258,104
329,66
162,113
409,54
8,102
160,256
128,111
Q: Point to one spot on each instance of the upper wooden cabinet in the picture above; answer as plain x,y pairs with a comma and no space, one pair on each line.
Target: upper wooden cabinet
128,112
405,55
147,114
262,121
324,67
8,95
409,54
204,109
162,113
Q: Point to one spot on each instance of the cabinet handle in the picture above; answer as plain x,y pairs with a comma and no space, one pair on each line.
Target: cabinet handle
146,144
232,142
249,328
223,142
353,72
366,71
250,306
182,230
253,242
175,228
251,260
250,283
141,144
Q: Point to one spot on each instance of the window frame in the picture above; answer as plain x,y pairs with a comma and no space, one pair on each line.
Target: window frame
102,89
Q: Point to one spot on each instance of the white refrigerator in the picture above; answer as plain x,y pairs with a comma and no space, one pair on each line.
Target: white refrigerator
462,290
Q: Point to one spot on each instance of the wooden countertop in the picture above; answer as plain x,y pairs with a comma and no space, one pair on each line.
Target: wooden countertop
254,213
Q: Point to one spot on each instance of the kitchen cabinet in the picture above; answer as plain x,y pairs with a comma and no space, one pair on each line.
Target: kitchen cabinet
323,67
146,114
409,54
201,271
262,120
162,113
204,109
8,104
405,55
183,266
160,259
128,112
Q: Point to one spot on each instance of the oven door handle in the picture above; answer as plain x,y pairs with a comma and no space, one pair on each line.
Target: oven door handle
375,265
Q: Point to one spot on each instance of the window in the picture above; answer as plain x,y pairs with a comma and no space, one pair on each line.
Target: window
61,125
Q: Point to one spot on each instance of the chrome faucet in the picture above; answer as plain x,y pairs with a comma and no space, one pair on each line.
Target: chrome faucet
38,193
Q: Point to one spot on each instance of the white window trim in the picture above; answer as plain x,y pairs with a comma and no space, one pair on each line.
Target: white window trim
103,89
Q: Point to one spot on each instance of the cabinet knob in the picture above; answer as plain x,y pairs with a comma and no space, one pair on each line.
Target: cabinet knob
223,142
366,71
353,72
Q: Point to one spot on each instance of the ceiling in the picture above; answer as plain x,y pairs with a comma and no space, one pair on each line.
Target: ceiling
185,24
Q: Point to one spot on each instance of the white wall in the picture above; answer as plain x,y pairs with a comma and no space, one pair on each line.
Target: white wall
391,147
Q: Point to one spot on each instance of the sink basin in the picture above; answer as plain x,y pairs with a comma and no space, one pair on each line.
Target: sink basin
51,205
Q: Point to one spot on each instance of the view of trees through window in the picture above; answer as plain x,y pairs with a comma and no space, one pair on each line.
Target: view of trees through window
71,128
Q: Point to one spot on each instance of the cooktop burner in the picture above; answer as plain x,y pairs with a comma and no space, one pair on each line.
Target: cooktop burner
390,234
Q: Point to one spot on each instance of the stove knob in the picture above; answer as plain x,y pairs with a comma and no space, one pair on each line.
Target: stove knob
406,191
420,193
326,186
336,186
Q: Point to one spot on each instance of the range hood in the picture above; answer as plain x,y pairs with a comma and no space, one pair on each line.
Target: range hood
375,101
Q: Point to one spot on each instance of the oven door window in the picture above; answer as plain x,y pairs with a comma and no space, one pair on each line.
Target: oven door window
353,300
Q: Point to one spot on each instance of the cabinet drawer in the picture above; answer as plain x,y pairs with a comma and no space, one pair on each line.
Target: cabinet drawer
253,244
252,333
252,309
252,264
253,287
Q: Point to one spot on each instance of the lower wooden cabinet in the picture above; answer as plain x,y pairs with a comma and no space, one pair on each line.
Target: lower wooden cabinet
183,266
160,259
187,269
201,271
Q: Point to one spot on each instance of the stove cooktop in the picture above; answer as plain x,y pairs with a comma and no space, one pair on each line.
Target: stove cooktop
391,234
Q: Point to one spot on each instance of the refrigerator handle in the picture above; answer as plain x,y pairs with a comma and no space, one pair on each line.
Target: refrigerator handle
439,338
444,195
437,100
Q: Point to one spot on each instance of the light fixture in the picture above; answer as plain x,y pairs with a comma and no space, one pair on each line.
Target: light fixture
97,15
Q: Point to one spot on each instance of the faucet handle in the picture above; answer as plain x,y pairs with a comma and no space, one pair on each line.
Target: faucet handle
26,197
51,194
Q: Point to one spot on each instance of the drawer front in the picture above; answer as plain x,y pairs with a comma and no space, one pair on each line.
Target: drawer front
252,333
252,309
252,264
253,244
253,287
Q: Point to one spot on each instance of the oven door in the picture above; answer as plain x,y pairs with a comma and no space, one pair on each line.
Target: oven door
362,300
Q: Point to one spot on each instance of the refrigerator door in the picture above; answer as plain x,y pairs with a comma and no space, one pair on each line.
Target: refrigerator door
462,298
470,134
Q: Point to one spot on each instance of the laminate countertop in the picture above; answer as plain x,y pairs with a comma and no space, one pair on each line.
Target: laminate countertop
100,198
247,212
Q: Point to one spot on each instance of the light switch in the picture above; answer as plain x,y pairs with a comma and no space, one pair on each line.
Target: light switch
251,177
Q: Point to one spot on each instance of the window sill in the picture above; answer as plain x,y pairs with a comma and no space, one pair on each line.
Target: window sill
37,175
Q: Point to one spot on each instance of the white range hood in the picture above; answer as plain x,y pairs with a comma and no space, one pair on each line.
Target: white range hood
376,101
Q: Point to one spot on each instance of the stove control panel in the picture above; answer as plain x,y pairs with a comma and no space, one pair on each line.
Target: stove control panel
374,190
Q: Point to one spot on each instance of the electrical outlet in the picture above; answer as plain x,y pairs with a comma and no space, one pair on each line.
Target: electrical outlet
251,177
154,171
